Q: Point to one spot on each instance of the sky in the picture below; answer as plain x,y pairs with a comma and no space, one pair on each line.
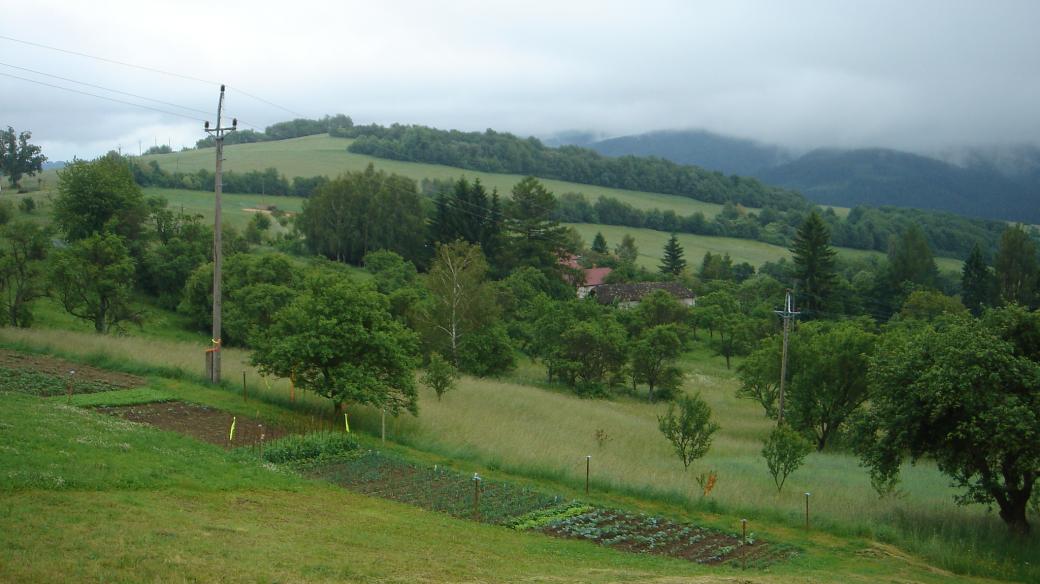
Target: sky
921,76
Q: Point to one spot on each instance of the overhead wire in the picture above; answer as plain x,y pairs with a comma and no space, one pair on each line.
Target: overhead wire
102,87
70,89
149,69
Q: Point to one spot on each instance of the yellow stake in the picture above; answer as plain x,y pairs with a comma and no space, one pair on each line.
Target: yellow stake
231,434
346,422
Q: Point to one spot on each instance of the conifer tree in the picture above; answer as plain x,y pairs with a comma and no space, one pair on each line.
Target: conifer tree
978,284
599,243
1016,266
813,257
673,262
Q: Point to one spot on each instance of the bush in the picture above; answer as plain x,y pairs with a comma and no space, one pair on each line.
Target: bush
27,205
487,352
309,447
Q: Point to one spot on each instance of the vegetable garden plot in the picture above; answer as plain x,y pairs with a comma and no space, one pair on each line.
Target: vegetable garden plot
207,424
521,508
437,489
47,376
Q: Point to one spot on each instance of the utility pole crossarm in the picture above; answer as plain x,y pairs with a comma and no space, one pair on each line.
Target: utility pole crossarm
787,314
213,354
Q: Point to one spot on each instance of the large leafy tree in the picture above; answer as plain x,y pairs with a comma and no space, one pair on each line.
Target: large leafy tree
92,280
966,394
1016,266
672,263
592,353
813,258
364,211
99,196
338,340
653,360
828,376
18,157
978,284
25,247
910,260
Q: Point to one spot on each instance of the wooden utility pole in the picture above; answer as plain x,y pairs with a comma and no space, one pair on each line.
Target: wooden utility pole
213,354
788,313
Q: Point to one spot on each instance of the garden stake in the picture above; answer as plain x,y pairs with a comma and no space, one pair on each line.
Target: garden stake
384,425
68,385
261,442
743,524
807,510
476,497
588,462
244,396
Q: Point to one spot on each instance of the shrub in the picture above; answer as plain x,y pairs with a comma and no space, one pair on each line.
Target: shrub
27,205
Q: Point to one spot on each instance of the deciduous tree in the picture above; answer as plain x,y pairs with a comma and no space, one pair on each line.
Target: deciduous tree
690,430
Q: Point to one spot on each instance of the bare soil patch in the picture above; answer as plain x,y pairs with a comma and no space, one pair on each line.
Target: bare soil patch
201,422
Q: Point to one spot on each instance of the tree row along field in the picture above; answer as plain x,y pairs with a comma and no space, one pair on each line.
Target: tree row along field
239,209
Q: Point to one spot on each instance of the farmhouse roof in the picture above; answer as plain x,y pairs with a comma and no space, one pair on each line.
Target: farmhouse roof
611,293
596,276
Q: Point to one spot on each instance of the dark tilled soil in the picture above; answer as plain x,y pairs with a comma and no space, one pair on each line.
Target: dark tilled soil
203,423
61,367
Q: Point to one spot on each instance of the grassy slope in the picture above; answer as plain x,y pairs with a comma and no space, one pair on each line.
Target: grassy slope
324,155
518,426
103,499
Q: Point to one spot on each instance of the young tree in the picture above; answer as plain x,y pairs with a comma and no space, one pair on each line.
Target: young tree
963,394
97,197
978,284
813,259
673,263
92,280
18,157
760,375
626,251
338,340
440,375
22,269
785,451
690,432
599,244
653,360
1016,266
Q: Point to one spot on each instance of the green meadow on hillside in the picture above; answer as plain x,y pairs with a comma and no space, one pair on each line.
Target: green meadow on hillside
325,155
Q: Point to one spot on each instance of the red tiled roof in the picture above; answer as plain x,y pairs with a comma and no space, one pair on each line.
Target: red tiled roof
596,276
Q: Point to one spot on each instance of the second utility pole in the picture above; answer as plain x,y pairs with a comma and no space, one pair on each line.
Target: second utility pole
213,354
787,314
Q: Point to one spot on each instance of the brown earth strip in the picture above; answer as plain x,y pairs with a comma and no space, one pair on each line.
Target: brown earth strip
60,367
206,424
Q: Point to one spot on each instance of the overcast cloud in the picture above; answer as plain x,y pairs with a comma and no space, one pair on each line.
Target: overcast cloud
915,75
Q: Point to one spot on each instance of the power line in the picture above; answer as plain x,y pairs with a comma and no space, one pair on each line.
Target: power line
103,97
149,69
104,88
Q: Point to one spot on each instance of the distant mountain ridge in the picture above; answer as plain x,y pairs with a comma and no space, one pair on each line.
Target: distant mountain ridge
994,183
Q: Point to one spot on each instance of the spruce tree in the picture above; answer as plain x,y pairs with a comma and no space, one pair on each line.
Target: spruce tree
599,243
977,282
813,256
673,262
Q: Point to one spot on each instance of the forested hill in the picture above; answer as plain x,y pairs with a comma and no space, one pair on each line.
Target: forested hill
876,177
492,151
999,183
698,147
